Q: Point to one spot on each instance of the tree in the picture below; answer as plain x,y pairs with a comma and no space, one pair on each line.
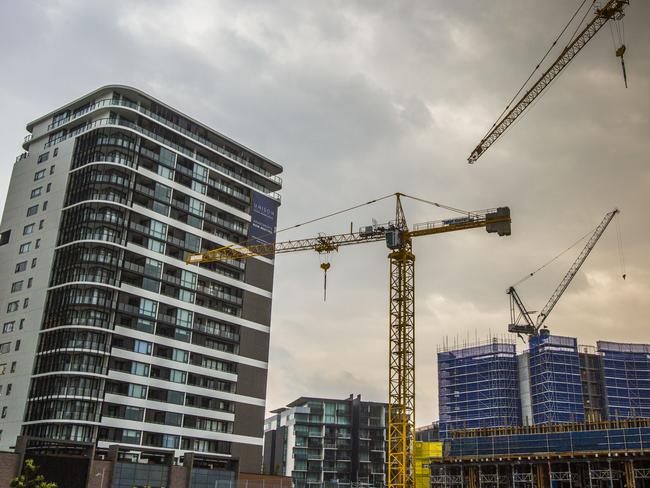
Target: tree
30,478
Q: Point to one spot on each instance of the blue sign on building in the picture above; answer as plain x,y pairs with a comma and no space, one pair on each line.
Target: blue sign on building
264,217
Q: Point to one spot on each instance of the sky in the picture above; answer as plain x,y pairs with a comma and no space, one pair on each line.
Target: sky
361,99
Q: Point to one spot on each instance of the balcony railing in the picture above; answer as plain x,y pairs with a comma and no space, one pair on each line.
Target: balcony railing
109,102
124,123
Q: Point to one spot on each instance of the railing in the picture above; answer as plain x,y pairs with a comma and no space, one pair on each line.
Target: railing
221,295
211,218
204,142
187,172
153,135
22,156
27,138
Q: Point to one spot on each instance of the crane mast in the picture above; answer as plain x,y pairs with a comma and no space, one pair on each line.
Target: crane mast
613,9
516,303
401,354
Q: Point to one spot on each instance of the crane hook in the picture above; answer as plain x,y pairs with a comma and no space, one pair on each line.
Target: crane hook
619,54
325,267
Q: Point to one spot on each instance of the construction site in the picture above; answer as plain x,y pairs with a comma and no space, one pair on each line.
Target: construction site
558,414
145,360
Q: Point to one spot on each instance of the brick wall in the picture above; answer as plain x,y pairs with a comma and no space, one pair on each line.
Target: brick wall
178,477
8,467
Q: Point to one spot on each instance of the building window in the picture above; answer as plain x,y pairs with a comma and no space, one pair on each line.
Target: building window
26,302
16,286
24,248
179,355
143,347
32,210
17,347
37,192
148,308
21,324
48,187
8,327
28,229
13,306
177,376
4,237
37,244
139,369
3,370
39,175
13,367
5,347
29,282
44,206
137,391
131,436
4,412
8,389
52,169
20,267
34,263
43,157
56,152
41,224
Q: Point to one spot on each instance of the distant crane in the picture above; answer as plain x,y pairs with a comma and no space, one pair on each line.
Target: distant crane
613,9
401,361
520,317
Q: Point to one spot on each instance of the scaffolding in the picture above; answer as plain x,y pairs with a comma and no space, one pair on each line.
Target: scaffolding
626,369
555,382
478,387
562,440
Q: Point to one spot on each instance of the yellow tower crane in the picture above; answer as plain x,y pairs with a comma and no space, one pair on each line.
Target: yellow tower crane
401,358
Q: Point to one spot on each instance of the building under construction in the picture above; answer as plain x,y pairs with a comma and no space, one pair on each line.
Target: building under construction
556,415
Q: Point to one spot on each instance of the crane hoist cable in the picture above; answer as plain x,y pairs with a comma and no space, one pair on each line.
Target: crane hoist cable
621,256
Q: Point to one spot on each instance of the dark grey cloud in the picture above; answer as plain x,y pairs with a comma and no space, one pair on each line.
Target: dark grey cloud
361,99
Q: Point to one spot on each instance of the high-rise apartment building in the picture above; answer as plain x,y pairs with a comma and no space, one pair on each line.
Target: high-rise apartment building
328,442
109,340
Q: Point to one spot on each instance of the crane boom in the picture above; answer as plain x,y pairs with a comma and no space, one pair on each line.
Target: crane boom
568,277
612,9
532,328
329,243
401,356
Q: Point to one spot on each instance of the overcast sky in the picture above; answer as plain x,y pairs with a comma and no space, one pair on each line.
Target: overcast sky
361,99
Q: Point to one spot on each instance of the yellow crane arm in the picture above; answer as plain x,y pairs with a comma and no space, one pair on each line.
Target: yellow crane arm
496,220
319,244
